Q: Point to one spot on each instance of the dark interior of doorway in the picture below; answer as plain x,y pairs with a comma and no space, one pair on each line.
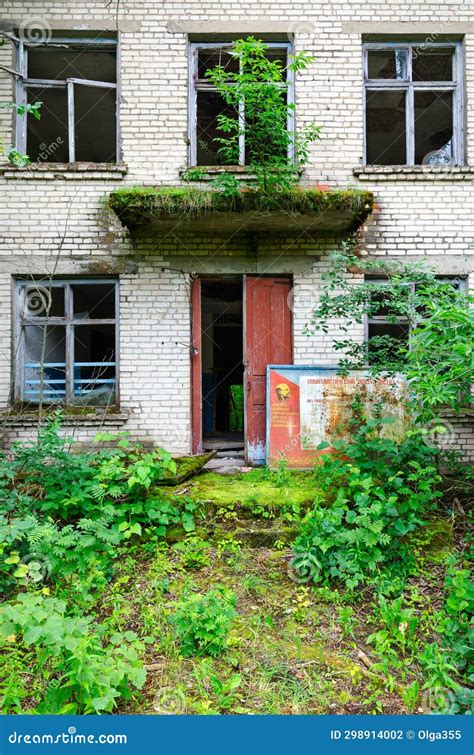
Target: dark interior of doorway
222,364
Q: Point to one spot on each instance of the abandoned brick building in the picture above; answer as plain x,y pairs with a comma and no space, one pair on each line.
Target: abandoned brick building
164,329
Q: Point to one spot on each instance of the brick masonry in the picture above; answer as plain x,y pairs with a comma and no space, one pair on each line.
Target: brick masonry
56,217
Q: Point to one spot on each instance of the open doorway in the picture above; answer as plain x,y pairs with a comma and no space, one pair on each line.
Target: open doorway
222,363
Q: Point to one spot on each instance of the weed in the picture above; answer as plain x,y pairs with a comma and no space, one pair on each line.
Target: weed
203,622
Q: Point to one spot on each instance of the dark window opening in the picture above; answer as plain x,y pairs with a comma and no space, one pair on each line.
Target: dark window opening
433,128
433,64
387,64
67,343
413,105
95,124
208,59
222,360
78,63
208,105
94,302
77,89
386,128
47,139
388,326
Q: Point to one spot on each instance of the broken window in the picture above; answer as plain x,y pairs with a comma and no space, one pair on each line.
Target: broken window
206,104
387,325
413,104
67,342
76,83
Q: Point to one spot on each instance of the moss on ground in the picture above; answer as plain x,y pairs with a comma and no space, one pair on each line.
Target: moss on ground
258,490
288,653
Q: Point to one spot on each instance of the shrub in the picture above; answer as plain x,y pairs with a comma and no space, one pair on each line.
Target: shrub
193,552
203,622
264,120
71,510
378,491
83,671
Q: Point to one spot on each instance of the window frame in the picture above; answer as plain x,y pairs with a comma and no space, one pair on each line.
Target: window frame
383,319
456,86
23,83
195,85
69,323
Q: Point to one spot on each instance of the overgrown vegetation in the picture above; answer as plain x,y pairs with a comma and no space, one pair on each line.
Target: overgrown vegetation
141,205
376,493
258,93
275,152
436,355
121,594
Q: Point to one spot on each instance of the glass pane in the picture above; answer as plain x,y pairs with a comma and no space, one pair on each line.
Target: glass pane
386,128
94,301
95,124
78,63
49,384
94,364
387,64
433,128
41,300
46,138
433,64
221,56
209,106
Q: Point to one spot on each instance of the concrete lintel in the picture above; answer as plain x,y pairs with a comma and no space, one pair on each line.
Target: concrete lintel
449,264
262,26
109,23
40,265
241,265
429,28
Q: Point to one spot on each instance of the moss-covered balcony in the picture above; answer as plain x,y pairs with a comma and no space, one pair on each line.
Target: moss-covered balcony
311,210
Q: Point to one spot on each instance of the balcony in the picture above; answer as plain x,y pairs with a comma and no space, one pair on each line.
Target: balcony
312,211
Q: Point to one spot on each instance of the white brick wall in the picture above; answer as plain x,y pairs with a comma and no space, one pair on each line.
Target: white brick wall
43,214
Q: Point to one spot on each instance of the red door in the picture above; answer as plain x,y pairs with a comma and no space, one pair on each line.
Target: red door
268,340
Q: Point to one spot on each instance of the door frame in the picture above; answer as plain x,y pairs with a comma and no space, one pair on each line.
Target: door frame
196,366
196,349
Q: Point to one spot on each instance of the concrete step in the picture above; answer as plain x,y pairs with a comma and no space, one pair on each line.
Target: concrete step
210,444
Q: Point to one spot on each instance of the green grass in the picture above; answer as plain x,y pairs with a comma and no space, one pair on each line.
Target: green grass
282,646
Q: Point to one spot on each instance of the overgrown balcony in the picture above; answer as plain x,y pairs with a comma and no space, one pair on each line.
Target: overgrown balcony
314,211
